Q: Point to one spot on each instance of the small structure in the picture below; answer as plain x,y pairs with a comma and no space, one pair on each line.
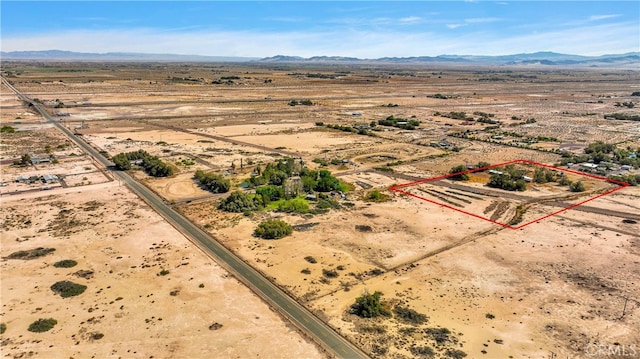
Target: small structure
589,166
494,172
626,167
293,186
50,179
527,178
35,159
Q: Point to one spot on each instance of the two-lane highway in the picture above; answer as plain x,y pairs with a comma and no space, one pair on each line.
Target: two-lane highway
290,308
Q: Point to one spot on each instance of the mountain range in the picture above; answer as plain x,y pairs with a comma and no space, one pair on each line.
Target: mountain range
627,60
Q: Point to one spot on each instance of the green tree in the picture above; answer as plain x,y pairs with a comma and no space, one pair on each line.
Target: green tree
273,229
369,305
327,182
459,176
270,193
25,159
121,162
212,182
294,205
238,202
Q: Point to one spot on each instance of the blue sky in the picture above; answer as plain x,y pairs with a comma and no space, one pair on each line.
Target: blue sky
365,29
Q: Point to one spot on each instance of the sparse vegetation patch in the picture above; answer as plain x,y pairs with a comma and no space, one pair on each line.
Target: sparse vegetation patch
68,289
42,325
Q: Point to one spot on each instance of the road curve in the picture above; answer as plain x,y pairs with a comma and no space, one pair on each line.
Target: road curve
319,331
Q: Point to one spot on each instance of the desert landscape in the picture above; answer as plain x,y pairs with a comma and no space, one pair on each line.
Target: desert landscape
486,212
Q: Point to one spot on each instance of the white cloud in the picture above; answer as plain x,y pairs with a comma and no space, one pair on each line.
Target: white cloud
603,17
583,40
482,20
410,20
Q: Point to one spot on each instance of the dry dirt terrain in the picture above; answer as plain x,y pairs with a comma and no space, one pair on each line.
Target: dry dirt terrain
455,285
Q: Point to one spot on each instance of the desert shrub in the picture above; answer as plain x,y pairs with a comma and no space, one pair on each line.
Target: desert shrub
329,273
489,316
455,354
42,325
7,129
440,335
68,289
369,305
376,196
66,263
164,272
3,328
424,351
363,228
96,336
31,253
310,259
273,229
409,315
306,271
577,187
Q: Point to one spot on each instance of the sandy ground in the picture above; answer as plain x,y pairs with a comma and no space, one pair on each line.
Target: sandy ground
109,232
549,290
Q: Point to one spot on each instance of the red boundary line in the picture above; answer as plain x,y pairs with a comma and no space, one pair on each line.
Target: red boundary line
397,188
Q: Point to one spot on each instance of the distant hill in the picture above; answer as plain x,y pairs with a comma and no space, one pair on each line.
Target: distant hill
629,60
52,55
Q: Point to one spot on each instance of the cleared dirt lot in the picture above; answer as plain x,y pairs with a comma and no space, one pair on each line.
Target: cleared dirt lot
550,289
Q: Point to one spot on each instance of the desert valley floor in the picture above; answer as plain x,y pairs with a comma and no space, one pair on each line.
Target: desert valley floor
464,269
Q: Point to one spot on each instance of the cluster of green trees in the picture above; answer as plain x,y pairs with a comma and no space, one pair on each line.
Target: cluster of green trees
402,123
240,202
632,179
270,189
277,173
543,175
599,151
456,171
152,165
361,130
510,179
273,229
212,182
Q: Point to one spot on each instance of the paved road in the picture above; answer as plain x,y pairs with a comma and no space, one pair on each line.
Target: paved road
273,295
